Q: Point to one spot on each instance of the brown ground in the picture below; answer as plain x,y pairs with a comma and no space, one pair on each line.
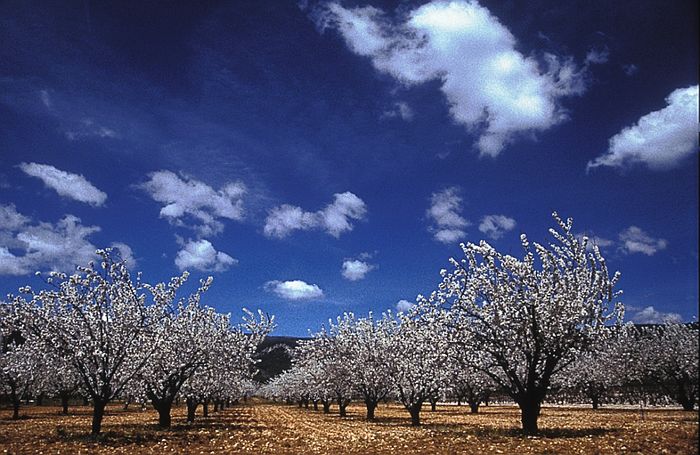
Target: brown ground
280,429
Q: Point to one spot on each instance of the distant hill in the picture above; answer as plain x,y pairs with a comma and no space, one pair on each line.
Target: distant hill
274,355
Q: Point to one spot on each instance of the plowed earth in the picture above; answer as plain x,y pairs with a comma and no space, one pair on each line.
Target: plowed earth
267,428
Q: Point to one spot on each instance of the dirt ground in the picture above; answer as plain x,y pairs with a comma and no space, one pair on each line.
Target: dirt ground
268,428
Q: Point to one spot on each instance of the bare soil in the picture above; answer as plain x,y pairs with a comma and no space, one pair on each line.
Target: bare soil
268,428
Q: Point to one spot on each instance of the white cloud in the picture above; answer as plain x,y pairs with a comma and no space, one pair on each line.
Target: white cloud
401,110
444,213
66,184
601,242
597,56
334,218
11,219
294,290
185,197
28,246
355,269
635,240
125,253
495,226
649,315
490,86
661,139
201,255
404,305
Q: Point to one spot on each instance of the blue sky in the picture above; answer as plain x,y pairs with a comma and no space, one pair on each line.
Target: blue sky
324,157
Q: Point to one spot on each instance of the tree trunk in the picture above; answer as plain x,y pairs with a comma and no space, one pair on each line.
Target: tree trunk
40,399
64,403
163,407
371,406
315,405
414,410
595,402
326,406
216,406
684,398
205,408
530,412
433,405
342,405
15,409
15,400
459,401
98,411
191,409
474,407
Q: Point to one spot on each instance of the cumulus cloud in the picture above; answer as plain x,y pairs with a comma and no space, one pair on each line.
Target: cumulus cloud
335,218
491,88
294,290
635,240
659,140
494,226
404,305
201,255
447,224
190,203
356,269
66,184
28,246
650,315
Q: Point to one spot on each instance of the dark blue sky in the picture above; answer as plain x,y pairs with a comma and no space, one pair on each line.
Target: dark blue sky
330,157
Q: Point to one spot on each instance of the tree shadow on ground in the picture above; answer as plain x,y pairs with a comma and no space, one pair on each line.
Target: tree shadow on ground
515,432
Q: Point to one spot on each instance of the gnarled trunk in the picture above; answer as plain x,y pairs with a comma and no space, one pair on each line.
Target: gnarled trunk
98,411
529,413
326,406
163,407
371,407
414,410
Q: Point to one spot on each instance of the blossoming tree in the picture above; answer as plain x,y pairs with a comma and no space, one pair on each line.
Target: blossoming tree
532,316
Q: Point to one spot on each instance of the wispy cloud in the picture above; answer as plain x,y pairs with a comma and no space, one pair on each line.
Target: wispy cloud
400,110
335,218
490,86
494,226
650,315
636,240
447,223
294,290
66,184
186,199
659,140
